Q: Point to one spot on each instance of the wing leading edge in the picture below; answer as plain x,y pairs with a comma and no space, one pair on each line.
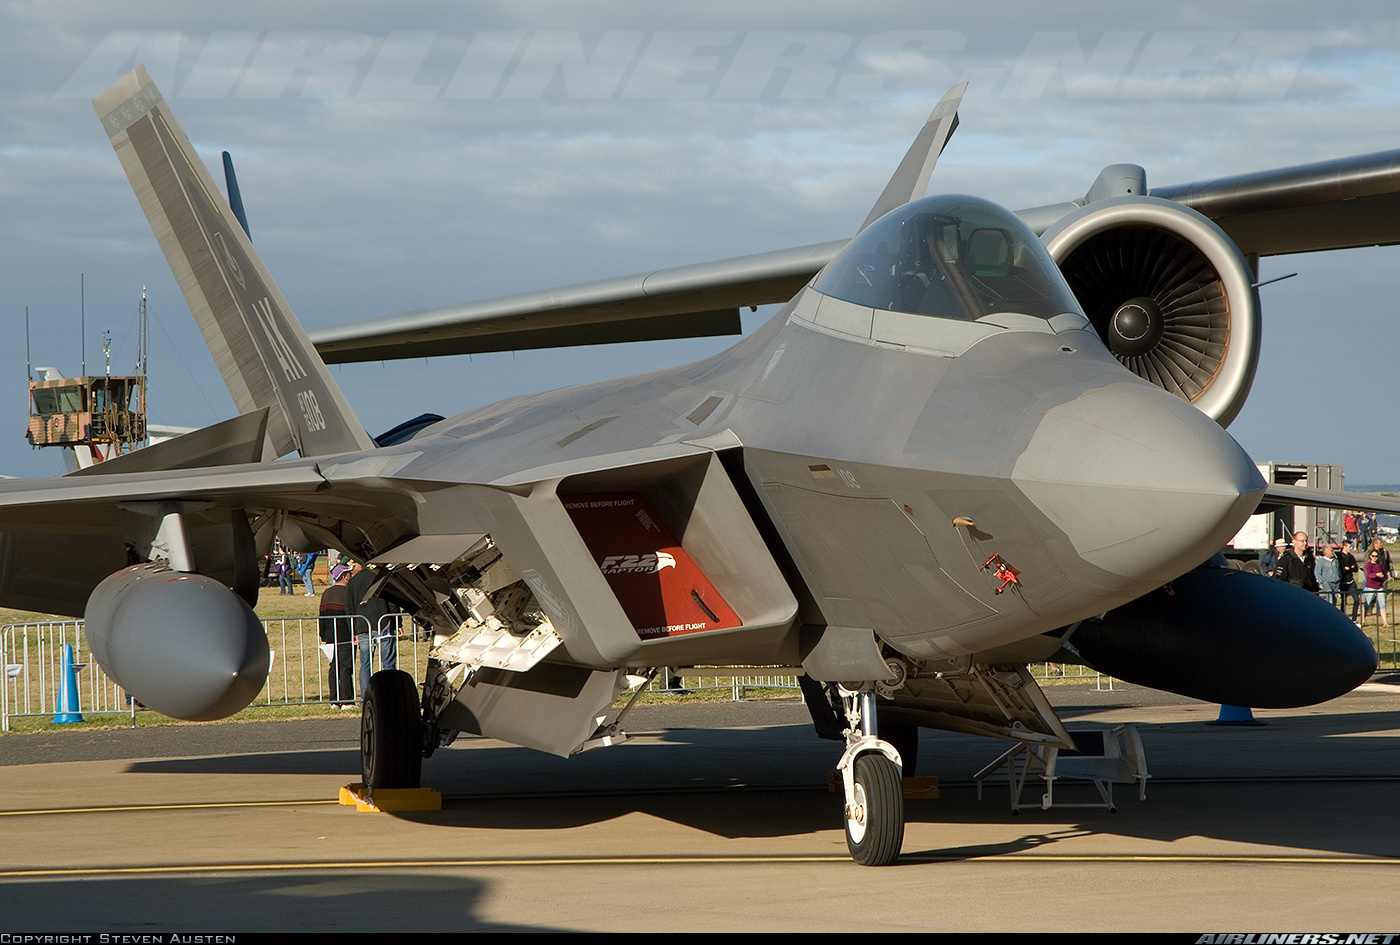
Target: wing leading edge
1329,499
682,302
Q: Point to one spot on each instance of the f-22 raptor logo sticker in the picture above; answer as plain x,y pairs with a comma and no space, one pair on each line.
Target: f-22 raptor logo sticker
638,564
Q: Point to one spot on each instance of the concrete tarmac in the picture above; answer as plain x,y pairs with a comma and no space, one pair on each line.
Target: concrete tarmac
715,817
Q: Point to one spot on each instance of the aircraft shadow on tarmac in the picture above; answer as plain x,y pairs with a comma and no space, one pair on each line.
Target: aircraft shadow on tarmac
339,901
1316,783
339,762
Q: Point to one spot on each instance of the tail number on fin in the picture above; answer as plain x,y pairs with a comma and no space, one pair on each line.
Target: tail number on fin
310,410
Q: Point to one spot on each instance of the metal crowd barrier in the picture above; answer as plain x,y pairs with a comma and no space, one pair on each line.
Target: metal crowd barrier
32,657
33,661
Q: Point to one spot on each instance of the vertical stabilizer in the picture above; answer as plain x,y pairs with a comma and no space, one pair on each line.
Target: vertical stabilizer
910,179
261,349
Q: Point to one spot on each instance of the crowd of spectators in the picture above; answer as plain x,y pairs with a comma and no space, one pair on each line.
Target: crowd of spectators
1351,574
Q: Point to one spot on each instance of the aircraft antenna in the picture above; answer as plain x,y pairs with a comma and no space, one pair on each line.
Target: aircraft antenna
145,434
141,335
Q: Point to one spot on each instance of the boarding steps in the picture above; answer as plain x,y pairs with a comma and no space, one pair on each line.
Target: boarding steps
1103,756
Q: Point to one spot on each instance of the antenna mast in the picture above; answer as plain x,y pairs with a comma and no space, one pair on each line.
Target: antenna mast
141,364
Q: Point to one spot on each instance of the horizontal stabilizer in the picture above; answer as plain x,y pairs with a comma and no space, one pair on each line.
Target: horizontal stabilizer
910,179
230,442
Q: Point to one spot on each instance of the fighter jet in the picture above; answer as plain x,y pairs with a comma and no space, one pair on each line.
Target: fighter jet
970,439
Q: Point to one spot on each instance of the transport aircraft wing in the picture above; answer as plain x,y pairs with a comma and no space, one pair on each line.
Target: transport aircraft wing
680,302
963,445
1331,499
1337,204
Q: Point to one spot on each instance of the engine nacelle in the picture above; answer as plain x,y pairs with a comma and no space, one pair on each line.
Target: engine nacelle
1170,294
1230,637
182,644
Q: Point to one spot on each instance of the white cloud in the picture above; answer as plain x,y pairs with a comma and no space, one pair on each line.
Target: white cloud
386,201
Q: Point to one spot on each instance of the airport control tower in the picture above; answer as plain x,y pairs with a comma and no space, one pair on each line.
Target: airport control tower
95,417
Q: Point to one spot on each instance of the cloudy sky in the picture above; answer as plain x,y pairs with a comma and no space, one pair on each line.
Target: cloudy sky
397,156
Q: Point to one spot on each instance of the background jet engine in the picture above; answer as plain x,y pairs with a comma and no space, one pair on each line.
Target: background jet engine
182,644
1170,294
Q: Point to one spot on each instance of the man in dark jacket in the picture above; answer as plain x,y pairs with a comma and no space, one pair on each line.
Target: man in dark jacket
1350,591
335,629
1296,564
375,627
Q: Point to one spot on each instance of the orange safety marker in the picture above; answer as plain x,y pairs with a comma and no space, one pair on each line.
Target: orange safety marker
389,799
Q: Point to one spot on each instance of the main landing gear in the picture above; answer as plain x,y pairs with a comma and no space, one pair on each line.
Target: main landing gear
391,724
872,775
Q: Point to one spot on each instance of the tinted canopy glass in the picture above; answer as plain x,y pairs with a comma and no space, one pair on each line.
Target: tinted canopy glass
949,256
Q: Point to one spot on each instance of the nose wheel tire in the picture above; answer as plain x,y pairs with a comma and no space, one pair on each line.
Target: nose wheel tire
875,811
391,752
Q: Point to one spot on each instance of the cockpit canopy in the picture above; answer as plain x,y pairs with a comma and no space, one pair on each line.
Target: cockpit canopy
949,256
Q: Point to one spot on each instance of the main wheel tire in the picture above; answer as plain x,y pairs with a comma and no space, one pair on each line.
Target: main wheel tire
905,739
391,744
875,815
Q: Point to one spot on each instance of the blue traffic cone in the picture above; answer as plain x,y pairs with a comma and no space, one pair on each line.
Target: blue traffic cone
68,708
1236,715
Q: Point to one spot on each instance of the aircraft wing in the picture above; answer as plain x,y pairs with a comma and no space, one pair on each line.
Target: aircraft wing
59,538
681,302
1330,499
1336,204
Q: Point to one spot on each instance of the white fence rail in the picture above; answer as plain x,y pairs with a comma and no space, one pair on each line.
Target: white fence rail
33,660
298,671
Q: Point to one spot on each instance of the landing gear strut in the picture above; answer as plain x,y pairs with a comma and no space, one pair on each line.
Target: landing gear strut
871,773
391,743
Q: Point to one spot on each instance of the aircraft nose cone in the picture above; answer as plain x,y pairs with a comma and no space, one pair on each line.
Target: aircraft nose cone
1142,484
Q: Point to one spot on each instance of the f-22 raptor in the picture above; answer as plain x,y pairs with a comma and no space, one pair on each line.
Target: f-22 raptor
970,439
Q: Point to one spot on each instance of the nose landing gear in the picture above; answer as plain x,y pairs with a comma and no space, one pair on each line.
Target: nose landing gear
871,774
